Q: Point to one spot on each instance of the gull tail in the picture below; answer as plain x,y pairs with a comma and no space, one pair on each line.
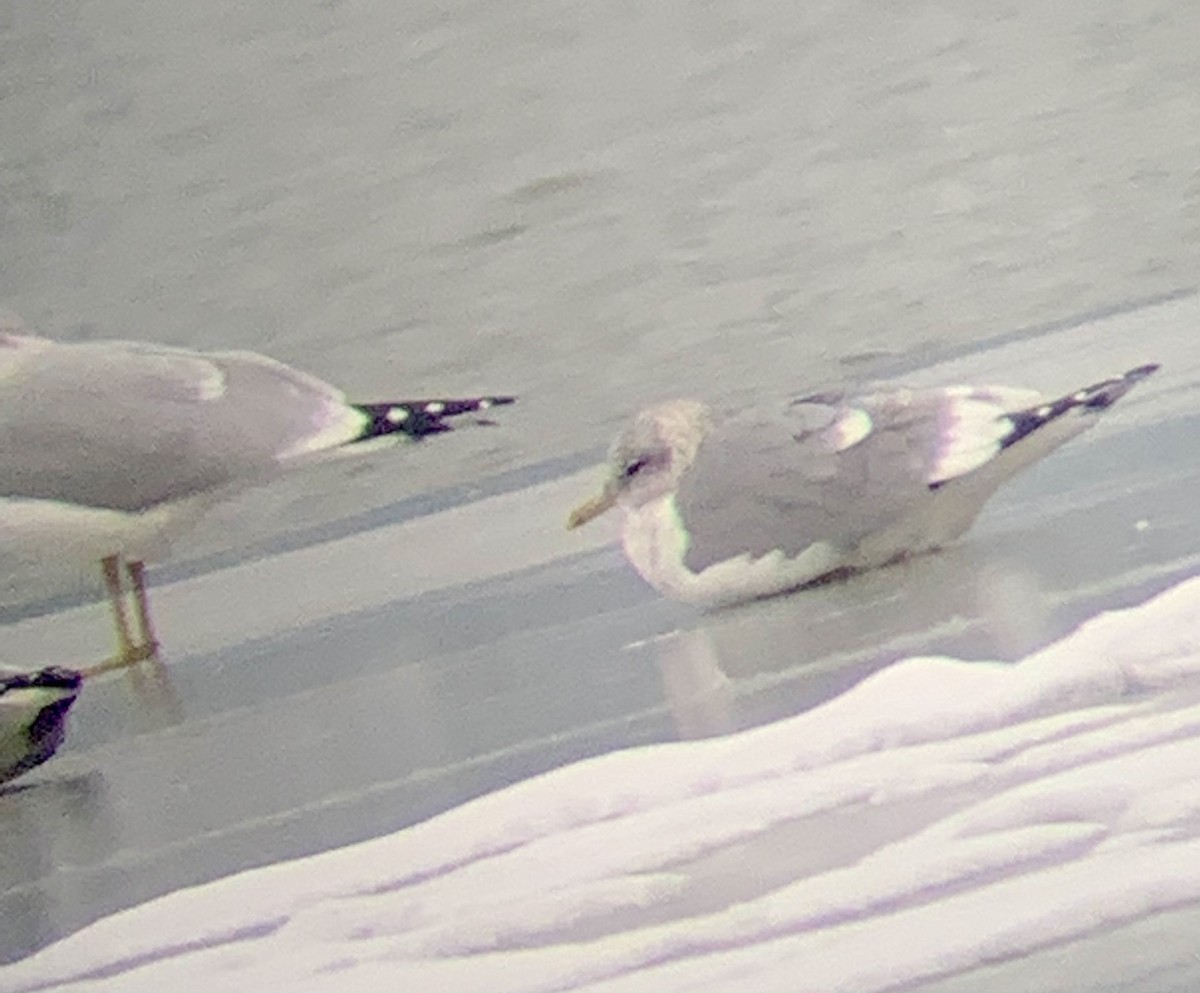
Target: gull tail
33,708
51,678
1089,400
419,418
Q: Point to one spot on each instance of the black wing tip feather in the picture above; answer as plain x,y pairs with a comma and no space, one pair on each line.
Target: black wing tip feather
421,418
1102,395
1094,399
1141,372
51,677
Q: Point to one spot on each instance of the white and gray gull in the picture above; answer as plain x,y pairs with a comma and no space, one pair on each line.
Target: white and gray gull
112,447
723,509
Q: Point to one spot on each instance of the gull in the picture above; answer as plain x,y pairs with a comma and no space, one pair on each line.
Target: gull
111,448
723,509
33,712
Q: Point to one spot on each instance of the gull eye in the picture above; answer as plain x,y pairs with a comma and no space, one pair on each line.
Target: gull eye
633,468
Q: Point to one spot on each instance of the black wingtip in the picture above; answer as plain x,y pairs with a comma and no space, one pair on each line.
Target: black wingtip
421,418
1104,395
1091,399
50,678
1141,372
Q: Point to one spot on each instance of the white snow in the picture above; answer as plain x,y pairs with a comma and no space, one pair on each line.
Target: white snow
938,816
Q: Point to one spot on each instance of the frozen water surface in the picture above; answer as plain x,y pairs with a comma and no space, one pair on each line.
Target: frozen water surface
953,775
904,777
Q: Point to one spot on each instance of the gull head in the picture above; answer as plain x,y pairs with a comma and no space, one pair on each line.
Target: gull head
647,459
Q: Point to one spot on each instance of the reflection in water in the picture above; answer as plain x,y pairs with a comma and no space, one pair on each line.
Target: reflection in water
280,777
698,693
1013,606
762,660
158,704
49,826
55,822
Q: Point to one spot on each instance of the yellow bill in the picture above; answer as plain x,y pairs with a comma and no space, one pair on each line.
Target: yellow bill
605,500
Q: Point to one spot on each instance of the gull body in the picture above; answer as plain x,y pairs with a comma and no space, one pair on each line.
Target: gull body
114,447
722,509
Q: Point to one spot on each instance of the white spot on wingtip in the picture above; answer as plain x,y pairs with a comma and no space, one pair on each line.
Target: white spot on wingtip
397,415
435,407
849,429
484,404
1044,411
1080,396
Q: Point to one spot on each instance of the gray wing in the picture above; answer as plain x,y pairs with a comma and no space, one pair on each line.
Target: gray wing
123,425
833,468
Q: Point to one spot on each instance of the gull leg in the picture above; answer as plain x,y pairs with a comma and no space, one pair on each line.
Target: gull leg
111,567
149,645
127,652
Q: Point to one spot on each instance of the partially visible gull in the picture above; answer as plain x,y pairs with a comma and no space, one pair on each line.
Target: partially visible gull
112,447
33,712
723,509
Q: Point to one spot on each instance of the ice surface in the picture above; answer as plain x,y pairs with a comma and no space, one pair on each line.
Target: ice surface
938,816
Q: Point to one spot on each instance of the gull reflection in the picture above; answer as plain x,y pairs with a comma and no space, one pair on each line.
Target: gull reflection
698,693
50,824
158,704
764,660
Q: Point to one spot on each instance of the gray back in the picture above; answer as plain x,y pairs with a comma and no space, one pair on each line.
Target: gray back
125,426
770,479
